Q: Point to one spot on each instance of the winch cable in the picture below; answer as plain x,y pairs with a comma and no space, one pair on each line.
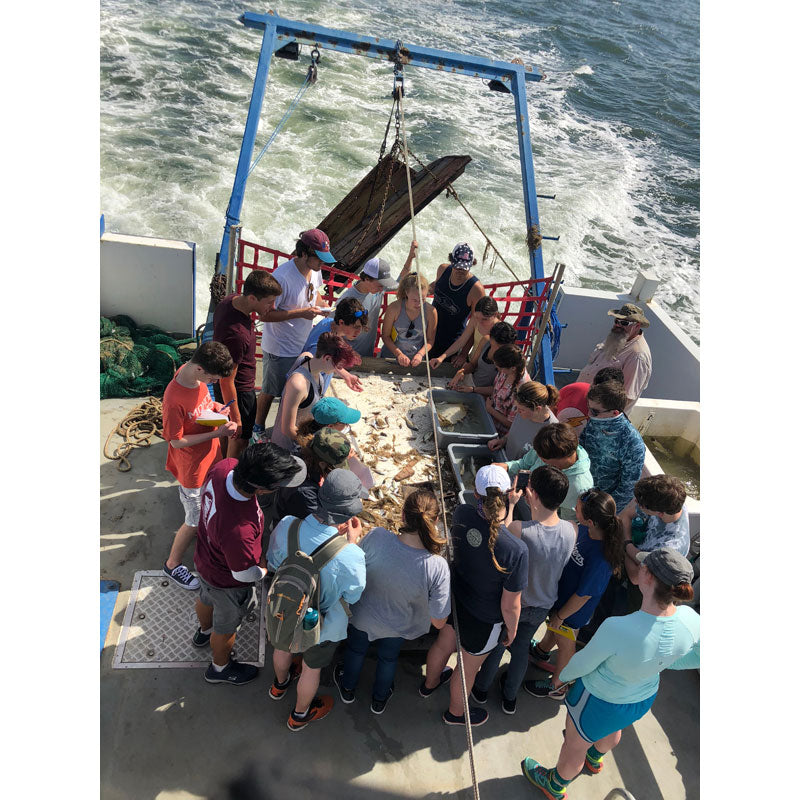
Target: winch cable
464,696
311,78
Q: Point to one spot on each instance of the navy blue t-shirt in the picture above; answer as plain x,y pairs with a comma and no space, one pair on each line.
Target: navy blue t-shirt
475,581
587,573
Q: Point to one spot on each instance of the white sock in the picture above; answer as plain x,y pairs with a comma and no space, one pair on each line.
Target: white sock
207,632
216,668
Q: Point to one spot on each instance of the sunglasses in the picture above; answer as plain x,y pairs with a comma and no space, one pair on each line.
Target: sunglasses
596,412
309,291
410,329
625,322
358,314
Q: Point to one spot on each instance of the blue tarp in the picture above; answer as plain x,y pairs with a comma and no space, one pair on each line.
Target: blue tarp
108,599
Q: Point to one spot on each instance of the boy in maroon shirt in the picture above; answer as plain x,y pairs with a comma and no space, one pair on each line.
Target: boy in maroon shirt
234,328
228,555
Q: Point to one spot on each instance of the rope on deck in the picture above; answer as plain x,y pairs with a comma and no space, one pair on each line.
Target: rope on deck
136,428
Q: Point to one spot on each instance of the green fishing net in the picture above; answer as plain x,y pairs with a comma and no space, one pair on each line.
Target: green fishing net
137,360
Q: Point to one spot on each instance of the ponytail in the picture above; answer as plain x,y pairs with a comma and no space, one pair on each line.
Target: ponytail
599,507
421,515
494,509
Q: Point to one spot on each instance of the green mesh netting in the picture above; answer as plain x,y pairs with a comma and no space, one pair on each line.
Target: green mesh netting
137,360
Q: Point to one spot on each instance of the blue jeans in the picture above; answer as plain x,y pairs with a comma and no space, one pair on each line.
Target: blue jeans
388,650
529,620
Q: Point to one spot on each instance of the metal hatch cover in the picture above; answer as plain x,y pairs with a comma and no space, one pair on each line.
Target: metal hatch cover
160,621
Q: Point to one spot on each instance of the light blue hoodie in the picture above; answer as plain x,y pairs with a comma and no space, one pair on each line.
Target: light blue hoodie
616,451
579,474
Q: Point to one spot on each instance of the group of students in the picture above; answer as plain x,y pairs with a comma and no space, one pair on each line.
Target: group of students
584,524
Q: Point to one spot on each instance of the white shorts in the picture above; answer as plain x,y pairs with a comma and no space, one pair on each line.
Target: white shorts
190,499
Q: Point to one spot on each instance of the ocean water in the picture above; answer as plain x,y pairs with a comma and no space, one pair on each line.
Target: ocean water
615,131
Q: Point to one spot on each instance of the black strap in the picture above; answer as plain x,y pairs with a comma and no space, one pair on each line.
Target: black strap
293,536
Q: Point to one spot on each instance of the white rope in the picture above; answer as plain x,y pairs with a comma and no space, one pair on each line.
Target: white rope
464,696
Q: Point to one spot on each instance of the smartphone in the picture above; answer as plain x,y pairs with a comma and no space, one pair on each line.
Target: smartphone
523,476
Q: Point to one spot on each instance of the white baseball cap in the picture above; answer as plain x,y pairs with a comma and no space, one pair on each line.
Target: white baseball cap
491,475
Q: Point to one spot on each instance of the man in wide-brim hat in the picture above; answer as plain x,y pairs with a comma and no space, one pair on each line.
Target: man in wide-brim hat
625,348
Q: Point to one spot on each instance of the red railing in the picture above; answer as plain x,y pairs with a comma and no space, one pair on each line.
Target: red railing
516,300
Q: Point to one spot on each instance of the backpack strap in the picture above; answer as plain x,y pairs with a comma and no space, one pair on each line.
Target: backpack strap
327,550
293,536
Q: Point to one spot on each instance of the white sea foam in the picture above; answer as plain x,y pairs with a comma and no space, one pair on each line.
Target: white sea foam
168,163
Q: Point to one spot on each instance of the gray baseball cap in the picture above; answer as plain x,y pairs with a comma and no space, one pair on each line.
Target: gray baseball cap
668,565
339,497
379,270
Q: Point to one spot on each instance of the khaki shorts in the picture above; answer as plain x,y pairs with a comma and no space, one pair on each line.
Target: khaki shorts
229,604
320,655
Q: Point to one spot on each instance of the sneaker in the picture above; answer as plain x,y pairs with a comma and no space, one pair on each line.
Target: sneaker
545,688
234,673
347,695
539,776
320,707
378,706
538,659
278,690
447,673
594,765
479,695
200,639
182,577
259,435
509,706
477,716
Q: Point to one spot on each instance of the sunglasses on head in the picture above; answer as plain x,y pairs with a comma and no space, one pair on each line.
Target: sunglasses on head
358,314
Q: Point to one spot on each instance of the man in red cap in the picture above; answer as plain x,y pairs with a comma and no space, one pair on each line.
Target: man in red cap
287,326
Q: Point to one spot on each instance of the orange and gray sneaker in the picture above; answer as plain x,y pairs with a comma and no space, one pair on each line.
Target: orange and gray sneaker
320,707
593,763
278,690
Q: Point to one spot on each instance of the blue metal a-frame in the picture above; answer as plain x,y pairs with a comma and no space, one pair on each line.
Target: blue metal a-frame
279,33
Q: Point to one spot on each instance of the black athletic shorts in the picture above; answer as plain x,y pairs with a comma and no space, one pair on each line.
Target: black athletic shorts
477,637
247,410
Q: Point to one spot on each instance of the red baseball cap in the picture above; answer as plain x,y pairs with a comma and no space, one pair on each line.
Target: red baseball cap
319,242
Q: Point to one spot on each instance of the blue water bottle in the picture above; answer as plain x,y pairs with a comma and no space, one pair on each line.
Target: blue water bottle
310,619
638,529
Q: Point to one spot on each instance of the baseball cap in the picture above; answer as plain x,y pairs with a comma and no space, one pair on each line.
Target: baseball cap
462,256
319,242
379,270
332,447
291,482
491,475
631,312
668,565
330,410
339,497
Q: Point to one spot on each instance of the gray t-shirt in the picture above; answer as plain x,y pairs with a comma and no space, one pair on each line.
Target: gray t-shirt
521,434
406,587
549,549
364,343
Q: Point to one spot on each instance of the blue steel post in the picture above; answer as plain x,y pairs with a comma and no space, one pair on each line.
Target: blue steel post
246,151
529,192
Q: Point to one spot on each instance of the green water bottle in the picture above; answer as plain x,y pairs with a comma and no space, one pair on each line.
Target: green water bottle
310,619
638,529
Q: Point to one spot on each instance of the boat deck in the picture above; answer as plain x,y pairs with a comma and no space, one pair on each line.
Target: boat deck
166,733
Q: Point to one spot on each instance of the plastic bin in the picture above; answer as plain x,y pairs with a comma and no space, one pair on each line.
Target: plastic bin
458,452
457,435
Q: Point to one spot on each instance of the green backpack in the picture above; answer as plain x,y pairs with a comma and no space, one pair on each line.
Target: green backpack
295,589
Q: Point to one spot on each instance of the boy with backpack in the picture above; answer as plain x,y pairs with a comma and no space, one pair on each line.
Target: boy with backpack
335,575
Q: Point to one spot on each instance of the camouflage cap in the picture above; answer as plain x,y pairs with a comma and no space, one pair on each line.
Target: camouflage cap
331,446
631,312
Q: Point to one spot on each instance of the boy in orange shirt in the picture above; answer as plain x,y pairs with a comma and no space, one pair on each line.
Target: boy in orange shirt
193,448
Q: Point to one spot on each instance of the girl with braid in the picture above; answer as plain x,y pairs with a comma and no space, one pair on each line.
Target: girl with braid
511,372
408,590
488,574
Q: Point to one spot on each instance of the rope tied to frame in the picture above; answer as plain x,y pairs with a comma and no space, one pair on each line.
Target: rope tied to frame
465,698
